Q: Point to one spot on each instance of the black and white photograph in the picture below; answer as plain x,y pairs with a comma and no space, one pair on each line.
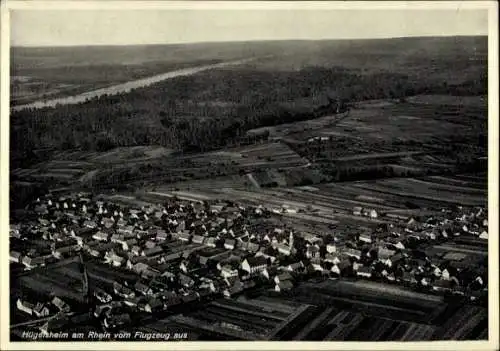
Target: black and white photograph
265,171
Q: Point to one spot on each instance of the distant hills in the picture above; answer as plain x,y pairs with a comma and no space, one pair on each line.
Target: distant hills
308,52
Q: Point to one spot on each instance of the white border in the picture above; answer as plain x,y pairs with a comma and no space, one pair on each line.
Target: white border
491,344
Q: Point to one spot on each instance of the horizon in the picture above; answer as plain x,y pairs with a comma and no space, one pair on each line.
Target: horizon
252,41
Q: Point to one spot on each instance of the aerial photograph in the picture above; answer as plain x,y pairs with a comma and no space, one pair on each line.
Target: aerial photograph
228,175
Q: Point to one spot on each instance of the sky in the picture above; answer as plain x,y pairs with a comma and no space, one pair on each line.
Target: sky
130,27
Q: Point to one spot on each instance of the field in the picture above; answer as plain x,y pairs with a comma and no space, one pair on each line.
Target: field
262,318
372,140
335,311
356,310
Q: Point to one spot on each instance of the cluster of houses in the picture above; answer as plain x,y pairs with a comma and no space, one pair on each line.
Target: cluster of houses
184,252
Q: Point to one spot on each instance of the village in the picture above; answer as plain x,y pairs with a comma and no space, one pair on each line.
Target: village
153,259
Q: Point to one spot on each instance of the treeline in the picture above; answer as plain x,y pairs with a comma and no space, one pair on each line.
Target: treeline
204,111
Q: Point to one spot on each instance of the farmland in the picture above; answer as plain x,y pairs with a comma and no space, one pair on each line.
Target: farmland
369,141
352,144
214,108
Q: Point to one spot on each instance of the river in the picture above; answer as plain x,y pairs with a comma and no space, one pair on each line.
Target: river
125,87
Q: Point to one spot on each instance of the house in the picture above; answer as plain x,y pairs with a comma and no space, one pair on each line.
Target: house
389,276
136,301
395,259
134,260
312,239
430,235
366,238
484,235
127,231
353,253
114,259
60,304
40,310
143,288
95,251
90,224
186,237
122,290
437,271
229,244
129,244
149,244
229,270
66,251
136,250
331,248
253,247
171,300
445,274
102,296
14,256
235,286
332,258
186,280
100,236
295,267
344,266
154,251
384,254
198,239
153,305
399,245
117,320
283,286
364,271
150,273
15,231
25,306
108,222
442,285
32,262
211,242
335,269
254,264
284,249
373,214
315,266
268,257
282,277
161,235
313,251
185,266
357,211
217,208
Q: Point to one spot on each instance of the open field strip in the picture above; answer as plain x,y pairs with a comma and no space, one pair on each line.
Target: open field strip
303,216
377,288
425,194
350,190
52,175
455,181
418,332
456,248
335,202
439,187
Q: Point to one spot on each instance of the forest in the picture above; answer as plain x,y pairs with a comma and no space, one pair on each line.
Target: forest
209,110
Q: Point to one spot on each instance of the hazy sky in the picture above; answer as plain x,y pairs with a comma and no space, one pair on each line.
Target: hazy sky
111,27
